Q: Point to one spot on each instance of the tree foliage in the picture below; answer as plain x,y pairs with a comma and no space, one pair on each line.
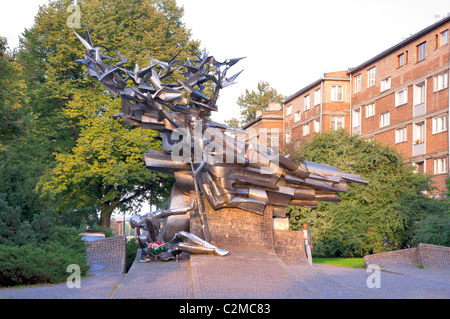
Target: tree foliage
250,102
369,219
37,250
12,96
93,159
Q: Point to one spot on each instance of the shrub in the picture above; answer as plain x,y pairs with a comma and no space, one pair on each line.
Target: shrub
369,219
132,247
37,251
434,230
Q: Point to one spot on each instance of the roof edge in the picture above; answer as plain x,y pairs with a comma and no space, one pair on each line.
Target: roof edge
399,45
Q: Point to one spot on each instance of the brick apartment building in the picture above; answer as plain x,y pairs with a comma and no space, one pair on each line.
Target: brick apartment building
401,97
319,107
266,123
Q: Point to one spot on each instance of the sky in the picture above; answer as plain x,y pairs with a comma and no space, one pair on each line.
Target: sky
288,43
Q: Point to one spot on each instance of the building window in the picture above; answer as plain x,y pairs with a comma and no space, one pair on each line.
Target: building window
400,135
316,126
401,97
441,39
297,116
370,110
337,93
421,52
440,166
337,122
419,167
306,129
307,102
402,59
419,93
289,110
386,84
419,132
371,73
441,81
358,83
384,119
440,124
288,136
317,97
356,118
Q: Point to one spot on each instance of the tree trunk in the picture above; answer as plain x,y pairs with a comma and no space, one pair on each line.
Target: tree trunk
74,130
106,212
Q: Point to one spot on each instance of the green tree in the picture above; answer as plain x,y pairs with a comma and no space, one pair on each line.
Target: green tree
369,219
106,167
234,122
94,160
250,102
12,96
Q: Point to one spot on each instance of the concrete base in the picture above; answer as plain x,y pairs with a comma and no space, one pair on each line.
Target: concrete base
240,231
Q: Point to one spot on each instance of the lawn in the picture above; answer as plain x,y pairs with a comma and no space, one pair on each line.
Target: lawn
341,262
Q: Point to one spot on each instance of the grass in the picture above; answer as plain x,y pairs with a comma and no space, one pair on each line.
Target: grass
341,262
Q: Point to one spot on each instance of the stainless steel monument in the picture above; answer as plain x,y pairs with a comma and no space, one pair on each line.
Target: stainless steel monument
207,160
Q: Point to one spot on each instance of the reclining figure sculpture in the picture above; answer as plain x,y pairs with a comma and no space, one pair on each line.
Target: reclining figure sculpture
204,158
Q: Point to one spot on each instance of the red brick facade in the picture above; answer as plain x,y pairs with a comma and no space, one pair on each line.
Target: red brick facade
407,105
400,97
319,107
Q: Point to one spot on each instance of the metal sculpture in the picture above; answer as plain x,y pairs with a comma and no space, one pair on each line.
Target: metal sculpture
203,157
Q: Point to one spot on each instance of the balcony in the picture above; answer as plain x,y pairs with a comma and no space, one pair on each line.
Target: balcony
418,148
419,109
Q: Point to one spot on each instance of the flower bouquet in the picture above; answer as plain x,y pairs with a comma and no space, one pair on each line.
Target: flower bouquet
156,248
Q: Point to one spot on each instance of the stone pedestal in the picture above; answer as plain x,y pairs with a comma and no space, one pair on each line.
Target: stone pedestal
236,229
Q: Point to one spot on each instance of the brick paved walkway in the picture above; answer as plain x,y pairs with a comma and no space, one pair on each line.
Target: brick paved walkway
243,276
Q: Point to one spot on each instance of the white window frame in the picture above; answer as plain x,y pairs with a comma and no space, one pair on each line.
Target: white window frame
419,132
440,124
335,93
358,83
440,166
297,116
337,120
307,102
385,84
306,129
385,119
442,39
420,92
400,135
356,117
419,51
440,81
316,126
288,136
289,109
401,59
370,110
317,97
401,97
371,76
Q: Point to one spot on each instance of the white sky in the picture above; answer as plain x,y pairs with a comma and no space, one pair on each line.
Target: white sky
289,43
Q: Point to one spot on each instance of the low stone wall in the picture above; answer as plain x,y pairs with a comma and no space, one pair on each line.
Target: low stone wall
110,252
433,257
289,243
428,256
